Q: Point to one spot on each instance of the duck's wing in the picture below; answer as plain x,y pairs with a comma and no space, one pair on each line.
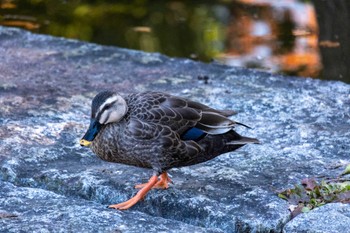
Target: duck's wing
163,109
188,118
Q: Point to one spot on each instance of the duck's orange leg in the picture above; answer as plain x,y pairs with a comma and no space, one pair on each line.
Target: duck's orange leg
163,183
140,195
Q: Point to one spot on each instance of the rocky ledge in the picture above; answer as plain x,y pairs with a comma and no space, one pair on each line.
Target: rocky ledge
50,184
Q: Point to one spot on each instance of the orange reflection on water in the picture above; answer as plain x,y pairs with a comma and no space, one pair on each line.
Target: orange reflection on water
278,36
7,4
22,24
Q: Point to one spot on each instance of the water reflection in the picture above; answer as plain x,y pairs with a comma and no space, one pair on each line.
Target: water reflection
278,36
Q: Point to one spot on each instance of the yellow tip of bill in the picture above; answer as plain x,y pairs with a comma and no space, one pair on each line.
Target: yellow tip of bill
84,142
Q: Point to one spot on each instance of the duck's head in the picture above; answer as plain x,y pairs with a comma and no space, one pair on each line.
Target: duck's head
107,107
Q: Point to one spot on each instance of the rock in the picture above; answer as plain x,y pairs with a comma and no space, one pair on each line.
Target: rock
330,218
46,88
38,210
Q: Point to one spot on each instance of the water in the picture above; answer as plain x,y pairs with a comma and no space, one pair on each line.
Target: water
291,37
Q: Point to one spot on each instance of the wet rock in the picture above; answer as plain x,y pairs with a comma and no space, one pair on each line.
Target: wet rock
46,87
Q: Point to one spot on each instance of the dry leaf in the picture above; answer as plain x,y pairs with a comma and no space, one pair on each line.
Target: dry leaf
309,183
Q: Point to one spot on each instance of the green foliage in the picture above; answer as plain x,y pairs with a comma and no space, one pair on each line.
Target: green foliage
347,170
312,193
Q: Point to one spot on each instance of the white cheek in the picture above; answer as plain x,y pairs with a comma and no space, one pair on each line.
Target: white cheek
114,117
103,118
115,113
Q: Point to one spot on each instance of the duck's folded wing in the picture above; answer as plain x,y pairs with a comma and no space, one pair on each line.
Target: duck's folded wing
165,110
182,115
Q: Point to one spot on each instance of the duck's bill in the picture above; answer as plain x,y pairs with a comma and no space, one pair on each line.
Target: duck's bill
91,133
84,142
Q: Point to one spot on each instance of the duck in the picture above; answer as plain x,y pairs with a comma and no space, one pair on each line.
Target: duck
158,131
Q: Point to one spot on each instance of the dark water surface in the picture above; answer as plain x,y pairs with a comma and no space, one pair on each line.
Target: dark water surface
292,37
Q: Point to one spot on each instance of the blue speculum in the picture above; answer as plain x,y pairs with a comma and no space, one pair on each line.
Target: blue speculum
193,134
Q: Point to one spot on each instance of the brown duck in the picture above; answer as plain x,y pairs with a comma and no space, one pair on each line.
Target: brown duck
158,131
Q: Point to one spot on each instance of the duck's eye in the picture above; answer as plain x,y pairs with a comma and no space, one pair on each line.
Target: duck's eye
107,106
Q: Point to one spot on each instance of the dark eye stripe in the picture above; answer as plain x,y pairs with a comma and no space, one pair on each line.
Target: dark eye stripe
109,113
106,107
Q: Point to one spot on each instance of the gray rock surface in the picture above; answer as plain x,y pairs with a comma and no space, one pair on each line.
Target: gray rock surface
330,218
38,210
46,87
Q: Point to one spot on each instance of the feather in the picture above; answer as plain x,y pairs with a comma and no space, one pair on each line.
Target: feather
244,141
174,102
193,134
227,113
214,130
214,123
189,114
215,119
